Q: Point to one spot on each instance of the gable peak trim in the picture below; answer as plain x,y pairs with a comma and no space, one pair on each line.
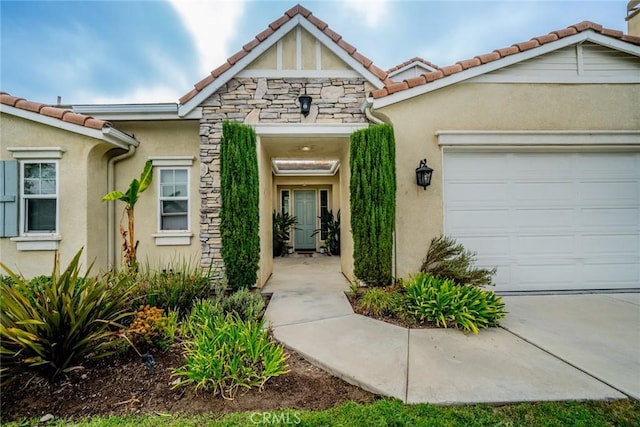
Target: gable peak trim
295,11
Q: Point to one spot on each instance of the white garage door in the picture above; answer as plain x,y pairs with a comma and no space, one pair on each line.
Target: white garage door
548,221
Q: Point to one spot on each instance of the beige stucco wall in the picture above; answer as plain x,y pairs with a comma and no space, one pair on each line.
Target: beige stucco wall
82,181
486,106
346,238
160,138
266,207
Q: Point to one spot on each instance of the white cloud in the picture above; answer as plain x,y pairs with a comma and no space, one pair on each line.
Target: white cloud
212,25
372,12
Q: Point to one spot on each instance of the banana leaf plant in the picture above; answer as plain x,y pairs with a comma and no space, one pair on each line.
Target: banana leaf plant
130,198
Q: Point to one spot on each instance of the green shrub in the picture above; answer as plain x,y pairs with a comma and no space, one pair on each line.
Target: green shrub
239,213
225,353
432,299
449,259
246,304
376,302
373,206
56,326
174,288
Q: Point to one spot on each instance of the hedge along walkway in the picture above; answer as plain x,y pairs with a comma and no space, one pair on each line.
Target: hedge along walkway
310,314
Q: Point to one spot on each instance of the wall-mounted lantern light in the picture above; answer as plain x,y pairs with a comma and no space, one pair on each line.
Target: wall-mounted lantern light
423,174
305,104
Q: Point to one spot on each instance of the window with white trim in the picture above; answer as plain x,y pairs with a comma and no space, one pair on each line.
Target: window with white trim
39,197
173,199
324,210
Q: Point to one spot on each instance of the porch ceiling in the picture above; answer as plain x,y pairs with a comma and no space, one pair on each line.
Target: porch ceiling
305,147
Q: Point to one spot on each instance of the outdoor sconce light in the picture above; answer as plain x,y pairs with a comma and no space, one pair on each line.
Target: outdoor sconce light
423,174
305,104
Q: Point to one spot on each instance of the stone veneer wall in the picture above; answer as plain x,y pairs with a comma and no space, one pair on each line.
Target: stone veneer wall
262,100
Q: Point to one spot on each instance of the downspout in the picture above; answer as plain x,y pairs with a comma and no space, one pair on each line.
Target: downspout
111,207
380,119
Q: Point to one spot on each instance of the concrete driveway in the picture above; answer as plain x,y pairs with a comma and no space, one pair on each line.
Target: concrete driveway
598,334
567,347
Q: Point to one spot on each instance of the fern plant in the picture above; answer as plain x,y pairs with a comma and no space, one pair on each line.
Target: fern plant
449,259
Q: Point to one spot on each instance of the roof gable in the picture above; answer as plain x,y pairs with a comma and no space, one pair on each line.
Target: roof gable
584,62
411,68
505,57
296,24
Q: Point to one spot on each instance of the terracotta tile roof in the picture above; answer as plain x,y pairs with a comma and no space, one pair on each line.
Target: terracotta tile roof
55,112
272,28
411,61
535,42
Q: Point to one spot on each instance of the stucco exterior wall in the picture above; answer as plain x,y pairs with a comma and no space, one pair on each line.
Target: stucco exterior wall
266,207
261,101
81,178
485,106
159,139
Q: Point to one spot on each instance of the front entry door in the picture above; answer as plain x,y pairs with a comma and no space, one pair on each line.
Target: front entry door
304,202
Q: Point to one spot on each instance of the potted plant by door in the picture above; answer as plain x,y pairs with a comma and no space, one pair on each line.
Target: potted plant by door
331,227
282,225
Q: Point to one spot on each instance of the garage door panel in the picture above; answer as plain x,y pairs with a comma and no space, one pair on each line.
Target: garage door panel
488,245
465,219
480,165
544,275
609,191
614,272
604,217
536,165
544,245
603,244
546,219
536,191
566,220
599,164
460,191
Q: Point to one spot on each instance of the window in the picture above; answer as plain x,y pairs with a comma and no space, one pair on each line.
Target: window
324,210
174,199
284,201
39,197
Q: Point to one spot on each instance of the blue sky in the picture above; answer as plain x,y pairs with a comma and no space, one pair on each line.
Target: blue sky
154,51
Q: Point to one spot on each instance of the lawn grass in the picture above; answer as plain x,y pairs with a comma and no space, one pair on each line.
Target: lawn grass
394,413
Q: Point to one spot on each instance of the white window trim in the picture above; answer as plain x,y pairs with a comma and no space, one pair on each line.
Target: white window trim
36,153
37,242
173,237
24,232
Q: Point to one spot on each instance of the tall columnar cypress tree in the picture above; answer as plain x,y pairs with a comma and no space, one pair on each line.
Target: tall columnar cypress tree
239,215
373,203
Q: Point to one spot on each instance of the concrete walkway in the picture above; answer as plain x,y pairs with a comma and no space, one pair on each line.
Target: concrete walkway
550,347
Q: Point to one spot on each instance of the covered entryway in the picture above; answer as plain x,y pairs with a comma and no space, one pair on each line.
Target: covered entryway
562,220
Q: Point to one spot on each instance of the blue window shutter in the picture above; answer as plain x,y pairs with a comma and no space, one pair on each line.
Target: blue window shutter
8,198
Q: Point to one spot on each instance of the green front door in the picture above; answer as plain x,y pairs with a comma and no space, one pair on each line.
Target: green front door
304,205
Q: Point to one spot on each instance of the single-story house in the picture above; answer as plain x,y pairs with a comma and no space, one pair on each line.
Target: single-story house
535,149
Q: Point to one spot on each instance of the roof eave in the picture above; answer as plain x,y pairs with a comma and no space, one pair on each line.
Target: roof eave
587,35
134,112
107,133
